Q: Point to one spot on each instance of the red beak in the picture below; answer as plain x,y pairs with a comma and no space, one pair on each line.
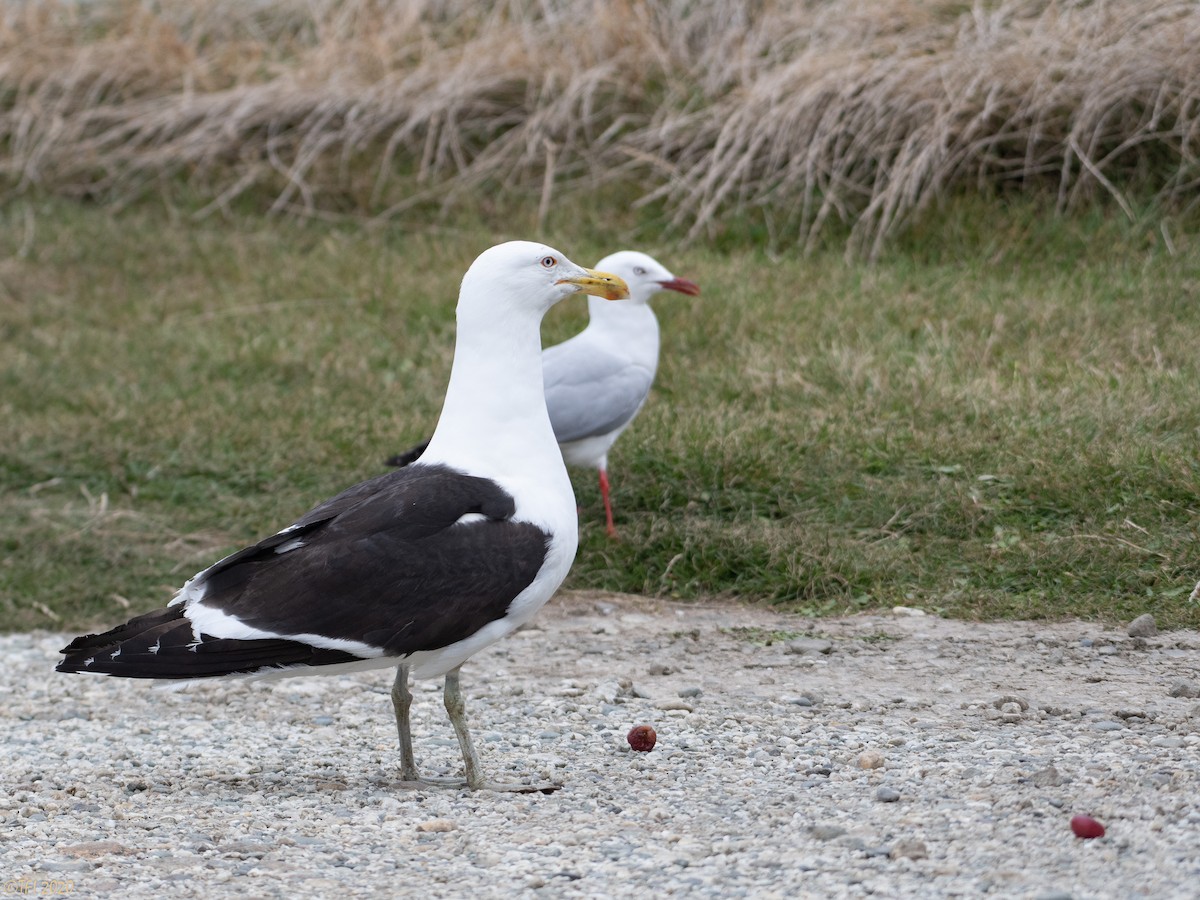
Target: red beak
682,285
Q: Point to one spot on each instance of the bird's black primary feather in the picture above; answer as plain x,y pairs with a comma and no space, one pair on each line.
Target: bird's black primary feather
385,564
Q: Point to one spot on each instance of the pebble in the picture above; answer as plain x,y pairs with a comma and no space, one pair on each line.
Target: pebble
909,848
59,865
827,832
675,704
690,692
436,826
871,759
1047,777
808,645
94,849
1171,742
887,795
1143,626
1185,687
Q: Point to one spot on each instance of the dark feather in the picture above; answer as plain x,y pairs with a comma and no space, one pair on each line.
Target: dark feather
409,456
383,563
171,632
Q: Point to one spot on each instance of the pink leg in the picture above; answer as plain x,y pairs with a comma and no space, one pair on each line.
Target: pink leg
608,516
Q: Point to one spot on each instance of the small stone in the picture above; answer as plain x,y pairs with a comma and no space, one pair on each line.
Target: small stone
660,669
870,759
800,701
1109,650
322,720
1142,627
1107,725
674,704
690,692
1167,742
827,832
73,865
1185,688
1001,702
887,795
614,690
1047,777
436,826
1130,714
808,645
909,848
1055,895
909,611
94,849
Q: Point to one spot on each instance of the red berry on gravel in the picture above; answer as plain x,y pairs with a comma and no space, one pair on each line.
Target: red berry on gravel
641,738
1086,827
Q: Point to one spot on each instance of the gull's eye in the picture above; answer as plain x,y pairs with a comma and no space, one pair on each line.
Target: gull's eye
549,262
638,270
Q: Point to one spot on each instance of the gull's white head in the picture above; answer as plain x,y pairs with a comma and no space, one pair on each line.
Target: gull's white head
524,276
645,275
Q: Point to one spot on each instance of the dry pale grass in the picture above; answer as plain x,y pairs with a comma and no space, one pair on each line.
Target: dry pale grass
802,115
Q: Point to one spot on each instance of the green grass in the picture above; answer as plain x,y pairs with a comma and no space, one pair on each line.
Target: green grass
997,419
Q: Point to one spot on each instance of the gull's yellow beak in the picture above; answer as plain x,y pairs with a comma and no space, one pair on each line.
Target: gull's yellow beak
599,284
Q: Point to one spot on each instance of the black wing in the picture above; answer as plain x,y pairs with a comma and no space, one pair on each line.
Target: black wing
383,564
407,457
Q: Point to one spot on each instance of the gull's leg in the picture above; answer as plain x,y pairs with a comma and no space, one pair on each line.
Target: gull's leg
402,703
457,711
608,516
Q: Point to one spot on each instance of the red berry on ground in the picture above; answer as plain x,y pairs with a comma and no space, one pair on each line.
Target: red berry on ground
1086,827
641,738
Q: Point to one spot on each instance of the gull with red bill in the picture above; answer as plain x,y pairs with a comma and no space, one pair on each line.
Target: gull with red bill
597,382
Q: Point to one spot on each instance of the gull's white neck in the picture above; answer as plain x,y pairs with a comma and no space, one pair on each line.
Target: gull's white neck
628,325
494,421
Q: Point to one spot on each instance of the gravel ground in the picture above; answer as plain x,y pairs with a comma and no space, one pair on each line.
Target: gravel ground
894,755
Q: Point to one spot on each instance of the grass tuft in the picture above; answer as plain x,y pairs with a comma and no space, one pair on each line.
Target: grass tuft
796,124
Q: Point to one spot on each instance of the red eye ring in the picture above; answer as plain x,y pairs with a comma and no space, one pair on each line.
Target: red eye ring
549,262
